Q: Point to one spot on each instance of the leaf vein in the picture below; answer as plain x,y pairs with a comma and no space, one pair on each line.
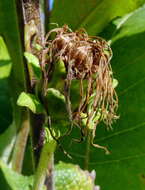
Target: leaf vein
122,132
118,160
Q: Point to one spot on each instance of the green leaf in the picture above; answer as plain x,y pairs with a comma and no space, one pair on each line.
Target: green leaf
33,60
56,93
10,31
66,175
30,101
7,140
16,181
5,61
57,110
93,15
5,67
115,83
124,168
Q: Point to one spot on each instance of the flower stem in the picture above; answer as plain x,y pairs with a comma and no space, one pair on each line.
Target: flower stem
45,160
87,156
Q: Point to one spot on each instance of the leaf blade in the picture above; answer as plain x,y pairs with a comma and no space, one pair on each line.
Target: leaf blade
90,14
30,101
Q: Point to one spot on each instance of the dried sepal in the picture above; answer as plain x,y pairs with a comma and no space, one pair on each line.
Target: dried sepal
86,58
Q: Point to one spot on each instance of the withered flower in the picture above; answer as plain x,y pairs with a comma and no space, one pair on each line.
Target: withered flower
87,60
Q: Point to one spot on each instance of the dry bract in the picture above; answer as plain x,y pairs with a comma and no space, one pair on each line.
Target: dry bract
87,60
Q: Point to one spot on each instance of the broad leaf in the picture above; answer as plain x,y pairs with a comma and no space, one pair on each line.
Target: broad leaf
7,140
30,101
5,61
9,29
5,67
94,15
66,175
15,180
34,61
124,168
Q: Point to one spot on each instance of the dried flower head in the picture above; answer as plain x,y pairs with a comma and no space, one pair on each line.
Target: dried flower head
87,60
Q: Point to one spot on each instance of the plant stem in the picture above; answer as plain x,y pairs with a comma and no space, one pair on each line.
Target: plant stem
33,33
87,156
49,181
21,141
23,119
45,161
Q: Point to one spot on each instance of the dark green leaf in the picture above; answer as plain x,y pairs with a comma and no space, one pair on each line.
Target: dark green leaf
93,15
124,168
57,110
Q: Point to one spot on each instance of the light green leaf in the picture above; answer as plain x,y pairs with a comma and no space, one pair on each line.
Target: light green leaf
115,83
56,93
93,15
30,101
66,175
7,140
5,68
33,60
5,61
16,181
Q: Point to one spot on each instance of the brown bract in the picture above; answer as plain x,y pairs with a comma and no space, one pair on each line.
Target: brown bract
87,60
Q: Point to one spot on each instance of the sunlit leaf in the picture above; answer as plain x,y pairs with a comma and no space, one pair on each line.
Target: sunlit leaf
16,181
93,15
30,101
34,61
5,68
7,140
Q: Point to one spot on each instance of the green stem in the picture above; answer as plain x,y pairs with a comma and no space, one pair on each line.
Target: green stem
18,83
45,160
21,141
87,156
33,33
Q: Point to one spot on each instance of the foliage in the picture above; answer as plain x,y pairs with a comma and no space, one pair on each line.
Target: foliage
123,168
30,101
122,23
68,175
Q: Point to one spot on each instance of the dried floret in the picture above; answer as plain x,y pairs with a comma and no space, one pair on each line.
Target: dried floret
87,60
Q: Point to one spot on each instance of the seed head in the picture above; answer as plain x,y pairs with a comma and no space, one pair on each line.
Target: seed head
87,60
